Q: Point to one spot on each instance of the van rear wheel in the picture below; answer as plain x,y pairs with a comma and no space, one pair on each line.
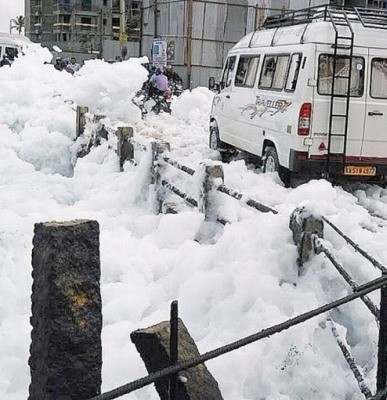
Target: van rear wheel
271,163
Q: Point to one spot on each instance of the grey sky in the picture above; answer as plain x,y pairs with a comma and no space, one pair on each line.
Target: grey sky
9,9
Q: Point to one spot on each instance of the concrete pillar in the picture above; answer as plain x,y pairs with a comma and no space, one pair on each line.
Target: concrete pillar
101,131
81,120
213,177
125,149
65,354
158,148
153,344
304,225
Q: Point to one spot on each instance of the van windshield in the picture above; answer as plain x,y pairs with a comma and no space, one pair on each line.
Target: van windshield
379,78
341,73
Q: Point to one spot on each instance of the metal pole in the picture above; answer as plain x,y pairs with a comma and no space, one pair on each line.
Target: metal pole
122,18
123,37
381,373
173,349
155,12
189,42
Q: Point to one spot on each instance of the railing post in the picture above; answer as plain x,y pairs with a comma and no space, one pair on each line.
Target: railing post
125,148
213,177
81,120
158,148
101,132
173,349
381,374
304,225
66,352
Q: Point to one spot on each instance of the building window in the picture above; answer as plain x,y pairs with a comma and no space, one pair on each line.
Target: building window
105,3
86,5
86,20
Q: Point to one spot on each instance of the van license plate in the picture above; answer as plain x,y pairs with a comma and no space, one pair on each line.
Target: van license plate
359,170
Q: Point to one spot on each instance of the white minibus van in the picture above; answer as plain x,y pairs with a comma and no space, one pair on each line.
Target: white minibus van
308,94
11,45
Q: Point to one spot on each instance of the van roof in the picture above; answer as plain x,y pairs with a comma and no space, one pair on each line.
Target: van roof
13,39
319,25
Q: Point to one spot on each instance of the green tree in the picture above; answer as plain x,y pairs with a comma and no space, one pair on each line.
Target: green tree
18,23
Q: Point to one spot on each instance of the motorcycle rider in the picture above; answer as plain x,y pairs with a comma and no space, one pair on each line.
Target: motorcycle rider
158,83
174,79
172,75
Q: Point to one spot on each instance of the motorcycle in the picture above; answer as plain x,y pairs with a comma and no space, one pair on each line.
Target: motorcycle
176,87
155,102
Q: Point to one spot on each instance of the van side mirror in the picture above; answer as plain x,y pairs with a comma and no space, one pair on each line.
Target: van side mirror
212,85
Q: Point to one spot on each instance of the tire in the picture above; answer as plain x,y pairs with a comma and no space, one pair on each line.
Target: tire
156,109
271,162
226,151
214,138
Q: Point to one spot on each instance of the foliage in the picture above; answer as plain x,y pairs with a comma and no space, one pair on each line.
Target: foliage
18,23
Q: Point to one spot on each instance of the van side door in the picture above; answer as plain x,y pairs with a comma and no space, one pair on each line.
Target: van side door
246,135
322,102
221,104
375,136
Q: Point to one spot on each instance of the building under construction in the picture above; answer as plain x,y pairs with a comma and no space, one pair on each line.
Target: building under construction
195,34
107,29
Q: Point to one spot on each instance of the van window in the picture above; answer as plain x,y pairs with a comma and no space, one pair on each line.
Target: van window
325,75
379,78
228,72
274,72
246,71
11,53
294,69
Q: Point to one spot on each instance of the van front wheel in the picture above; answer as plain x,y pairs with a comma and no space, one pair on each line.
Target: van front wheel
271,162
214,138
226,151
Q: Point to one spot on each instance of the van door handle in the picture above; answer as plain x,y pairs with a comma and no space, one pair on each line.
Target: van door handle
372,113
228,96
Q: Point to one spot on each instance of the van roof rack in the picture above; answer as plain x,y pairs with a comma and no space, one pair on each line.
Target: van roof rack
372,17
369,17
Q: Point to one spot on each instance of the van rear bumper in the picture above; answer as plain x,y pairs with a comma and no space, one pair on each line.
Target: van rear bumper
316,166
